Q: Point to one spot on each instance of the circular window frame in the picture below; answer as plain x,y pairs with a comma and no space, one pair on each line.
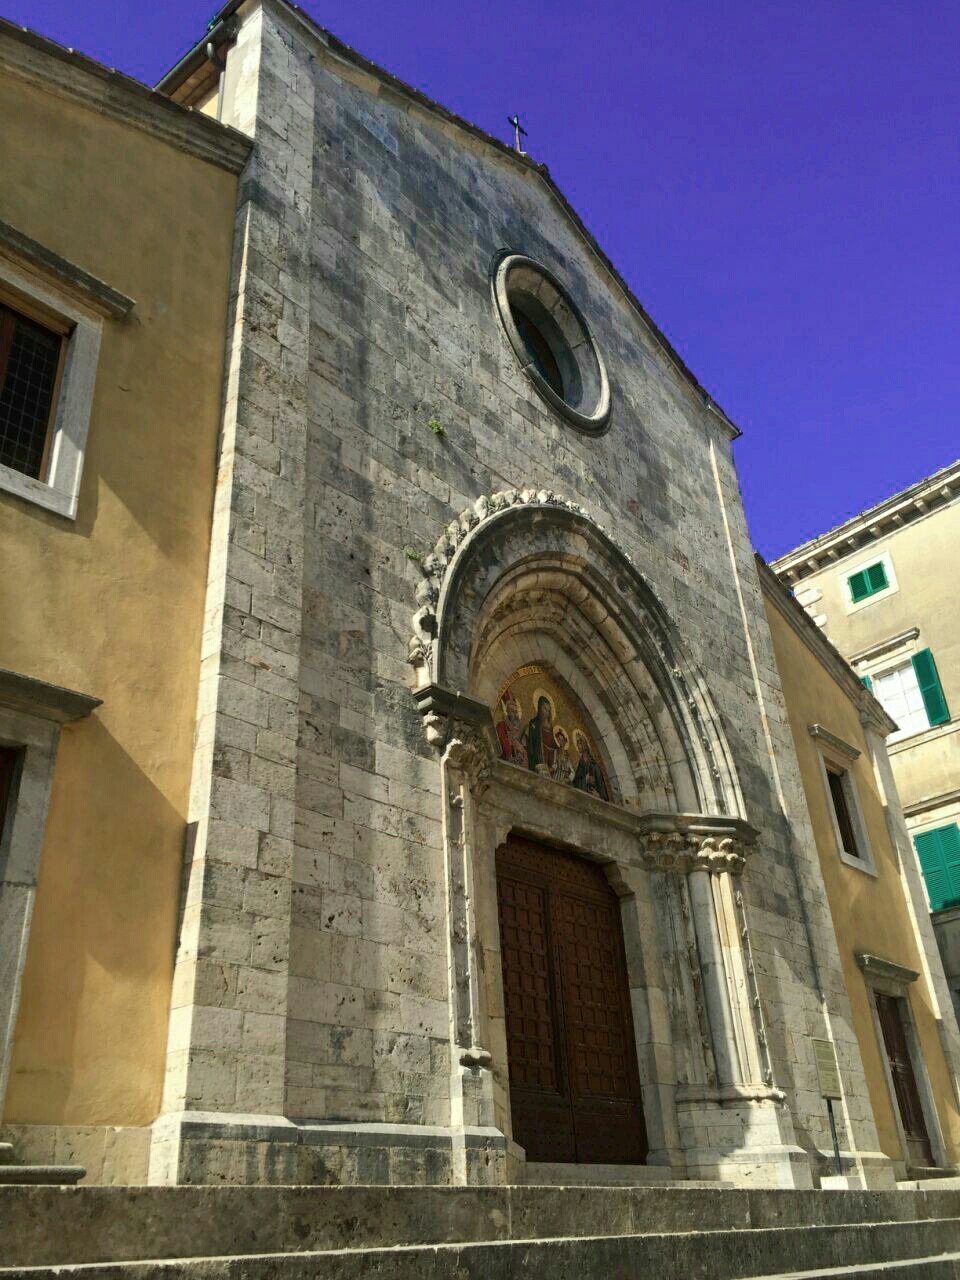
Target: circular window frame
565,330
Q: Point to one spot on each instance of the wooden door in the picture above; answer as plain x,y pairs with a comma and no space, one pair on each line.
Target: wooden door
905,1089
574,1085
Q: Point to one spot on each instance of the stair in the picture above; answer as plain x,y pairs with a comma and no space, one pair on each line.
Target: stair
13,1174
602,1175
475,1233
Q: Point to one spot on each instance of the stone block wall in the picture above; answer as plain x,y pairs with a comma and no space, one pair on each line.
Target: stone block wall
312,981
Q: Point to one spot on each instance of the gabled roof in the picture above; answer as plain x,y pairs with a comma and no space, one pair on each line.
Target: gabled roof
878,521
187,68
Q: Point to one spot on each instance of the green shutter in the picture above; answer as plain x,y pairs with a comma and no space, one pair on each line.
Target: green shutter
939,853
930,687
868,581
866,682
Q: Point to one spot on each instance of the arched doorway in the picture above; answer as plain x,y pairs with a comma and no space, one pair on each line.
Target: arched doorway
525,587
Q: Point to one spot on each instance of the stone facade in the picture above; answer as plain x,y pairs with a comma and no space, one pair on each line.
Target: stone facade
388,469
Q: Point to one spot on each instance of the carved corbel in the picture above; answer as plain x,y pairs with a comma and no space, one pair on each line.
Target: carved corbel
448,715
666,851
717,854
468,752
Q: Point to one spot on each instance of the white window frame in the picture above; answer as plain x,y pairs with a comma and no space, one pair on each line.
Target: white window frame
890,979
882,673
31,716
832,750
59,490
892,586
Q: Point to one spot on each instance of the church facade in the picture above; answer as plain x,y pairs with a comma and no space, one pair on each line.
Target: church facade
497,830
498,860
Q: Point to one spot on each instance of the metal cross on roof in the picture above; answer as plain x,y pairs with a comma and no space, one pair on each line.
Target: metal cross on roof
519,131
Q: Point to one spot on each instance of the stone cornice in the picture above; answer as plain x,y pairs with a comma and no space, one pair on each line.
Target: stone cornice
73,76
849,538
931,802
49,701
888,645
875,967
94,292
871,712
833,741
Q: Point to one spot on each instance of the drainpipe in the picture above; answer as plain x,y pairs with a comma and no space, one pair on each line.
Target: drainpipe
225,33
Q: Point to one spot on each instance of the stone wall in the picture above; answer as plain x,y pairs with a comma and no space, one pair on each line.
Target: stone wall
373,396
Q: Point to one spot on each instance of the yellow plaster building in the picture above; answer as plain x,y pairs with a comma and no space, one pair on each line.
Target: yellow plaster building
881,586
900,1003
115,254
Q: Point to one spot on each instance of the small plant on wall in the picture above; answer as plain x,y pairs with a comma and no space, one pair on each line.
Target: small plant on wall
436,426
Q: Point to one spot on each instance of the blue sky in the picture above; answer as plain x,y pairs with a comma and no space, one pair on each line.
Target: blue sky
778,182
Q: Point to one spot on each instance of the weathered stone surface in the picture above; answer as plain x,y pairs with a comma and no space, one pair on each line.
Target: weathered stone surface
469,1232
387,469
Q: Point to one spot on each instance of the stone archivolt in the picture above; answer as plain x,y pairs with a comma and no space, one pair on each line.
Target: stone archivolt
435,565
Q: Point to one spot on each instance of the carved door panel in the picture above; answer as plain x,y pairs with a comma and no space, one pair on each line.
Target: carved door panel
574,1085
905,1089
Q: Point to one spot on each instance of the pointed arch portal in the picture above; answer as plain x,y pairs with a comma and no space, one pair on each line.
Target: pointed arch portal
528,582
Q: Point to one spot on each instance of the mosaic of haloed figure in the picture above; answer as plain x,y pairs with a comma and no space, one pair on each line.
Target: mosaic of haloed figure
540,728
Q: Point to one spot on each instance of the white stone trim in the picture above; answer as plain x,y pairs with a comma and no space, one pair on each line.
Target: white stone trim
892,587
832,742
892,649
922,736
842,760
60,490
891,984
31,713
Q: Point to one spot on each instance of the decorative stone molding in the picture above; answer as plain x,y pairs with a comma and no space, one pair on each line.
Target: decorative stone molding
887,970
38,698
88,288
683,843
448,714
833,742
435,566
516,526
80,79
586,400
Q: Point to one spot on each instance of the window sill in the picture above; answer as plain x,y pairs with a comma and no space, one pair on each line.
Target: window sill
859,864
37,492
921,736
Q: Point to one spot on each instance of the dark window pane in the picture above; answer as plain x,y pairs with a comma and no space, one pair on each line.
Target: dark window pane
9,759
538,349
840,807
28,372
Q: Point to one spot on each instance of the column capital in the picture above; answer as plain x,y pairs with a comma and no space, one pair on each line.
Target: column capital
695,842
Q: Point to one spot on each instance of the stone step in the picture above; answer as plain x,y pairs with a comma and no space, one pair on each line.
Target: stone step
126,1224
605,1175
32,1175
925,1184
946,1265
708,1255
6,1153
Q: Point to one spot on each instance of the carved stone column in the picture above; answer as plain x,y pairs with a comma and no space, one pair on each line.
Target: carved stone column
737,1117
709,862
460,729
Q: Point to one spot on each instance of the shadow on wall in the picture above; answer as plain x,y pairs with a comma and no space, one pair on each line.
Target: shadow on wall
91,1034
